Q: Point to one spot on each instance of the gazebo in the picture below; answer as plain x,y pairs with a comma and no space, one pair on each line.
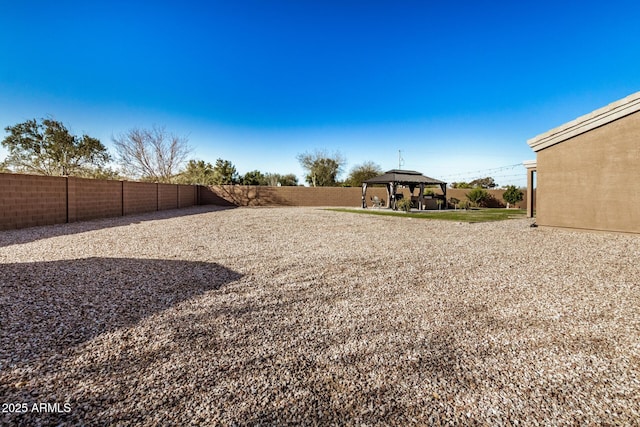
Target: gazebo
396,177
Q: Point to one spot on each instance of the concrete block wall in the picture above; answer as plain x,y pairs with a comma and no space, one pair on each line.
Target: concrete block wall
247,195
167,196
210,196
250,195
497,202
187,195
139,197
93,198
30,200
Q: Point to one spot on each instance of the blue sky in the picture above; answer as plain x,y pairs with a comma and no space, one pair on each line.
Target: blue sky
459,87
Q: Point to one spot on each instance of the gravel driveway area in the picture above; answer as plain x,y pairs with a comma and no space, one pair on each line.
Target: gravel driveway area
273,316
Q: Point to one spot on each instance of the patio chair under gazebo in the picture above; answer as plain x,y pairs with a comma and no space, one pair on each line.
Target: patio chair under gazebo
396,177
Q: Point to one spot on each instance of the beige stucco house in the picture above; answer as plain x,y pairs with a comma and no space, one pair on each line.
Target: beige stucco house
587,171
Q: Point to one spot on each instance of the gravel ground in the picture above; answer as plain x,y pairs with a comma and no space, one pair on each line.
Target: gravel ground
272,316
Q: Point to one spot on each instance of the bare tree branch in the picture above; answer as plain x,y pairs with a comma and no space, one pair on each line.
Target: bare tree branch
151,154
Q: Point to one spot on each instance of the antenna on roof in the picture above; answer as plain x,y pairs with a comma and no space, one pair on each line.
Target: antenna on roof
400,159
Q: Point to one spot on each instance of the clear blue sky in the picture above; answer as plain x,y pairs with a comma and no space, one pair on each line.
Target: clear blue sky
459,86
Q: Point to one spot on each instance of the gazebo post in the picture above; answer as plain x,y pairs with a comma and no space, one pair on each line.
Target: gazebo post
444,192
388,202
364,195
392,195
421,196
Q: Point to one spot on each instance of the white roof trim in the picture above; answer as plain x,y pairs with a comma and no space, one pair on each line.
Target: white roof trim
530,164
597,118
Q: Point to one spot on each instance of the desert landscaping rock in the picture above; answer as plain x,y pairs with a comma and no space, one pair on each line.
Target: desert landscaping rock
272,316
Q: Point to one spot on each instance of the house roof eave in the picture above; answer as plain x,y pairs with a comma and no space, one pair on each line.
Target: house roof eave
582,124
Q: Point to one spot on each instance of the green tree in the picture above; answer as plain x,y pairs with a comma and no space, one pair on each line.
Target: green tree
460,184
151,154
48,148
477,195
254,178
103,173
196,172
361,173
487,182
513,195
288,180
224,173
322,169
275,179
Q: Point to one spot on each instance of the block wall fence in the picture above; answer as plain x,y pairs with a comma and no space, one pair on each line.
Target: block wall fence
247,195
33,200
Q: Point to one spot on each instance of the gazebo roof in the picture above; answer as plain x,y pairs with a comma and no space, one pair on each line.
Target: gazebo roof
403,177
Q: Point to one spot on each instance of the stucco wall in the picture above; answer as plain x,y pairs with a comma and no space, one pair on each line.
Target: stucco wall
590,181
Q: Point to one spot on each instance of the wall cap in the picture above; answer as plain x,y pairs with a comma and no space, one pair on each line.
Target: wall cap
582,124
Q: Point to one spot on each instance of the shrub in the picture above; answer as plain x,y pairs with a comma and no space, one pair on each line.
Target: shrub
404,204
492,202
513,195
477,196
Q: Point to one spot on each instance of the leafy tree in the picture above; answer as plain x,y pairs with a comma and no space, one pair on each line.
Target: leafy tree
224,173
151,154
275,179
48,148
513,195
103,173
361,173
487,182
460,184
288,180
322,169
196,172
477,195
254,178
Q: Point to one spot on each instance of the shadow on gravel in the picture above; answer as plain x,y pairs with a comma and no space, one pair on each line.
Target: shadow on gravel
26,235
48,307
268,360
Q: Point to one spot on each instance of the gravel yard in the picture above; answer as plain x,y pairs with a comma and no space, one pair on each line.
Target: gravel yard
272,316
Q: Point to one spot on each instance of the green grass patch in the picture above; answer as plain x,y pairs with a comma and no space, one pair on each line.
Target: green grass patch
471,215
